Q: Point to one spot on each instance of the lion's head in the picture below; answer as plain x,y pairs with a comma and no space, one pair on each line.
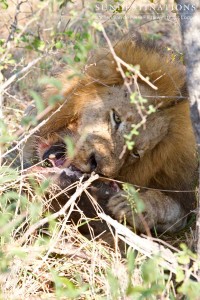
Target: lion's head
97,114
99,133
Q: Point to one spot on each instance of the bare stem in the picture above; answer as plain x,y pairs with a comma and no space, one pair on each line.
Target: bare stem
61,212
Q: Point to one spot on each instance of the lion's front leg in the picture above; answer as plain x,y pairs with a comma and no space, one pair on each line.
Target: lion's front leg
161,211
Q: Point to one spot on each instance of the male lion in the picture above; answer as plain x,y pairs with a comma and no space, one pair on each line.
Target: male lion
96,113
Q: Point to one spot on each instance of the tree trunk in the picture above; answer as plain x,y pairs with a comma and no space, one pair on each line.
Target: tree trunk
189,12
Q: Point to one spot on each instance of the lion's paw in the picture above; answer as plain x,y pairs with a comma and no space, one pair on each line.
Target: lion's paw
120,208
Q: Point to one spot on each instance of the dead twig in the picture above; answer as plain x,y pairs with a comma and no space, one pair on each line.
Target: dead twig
8,82
144,245
61,212
13,26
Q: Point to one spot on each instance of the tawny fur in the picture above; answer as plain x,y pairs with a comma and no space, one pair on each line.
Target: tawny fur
166,144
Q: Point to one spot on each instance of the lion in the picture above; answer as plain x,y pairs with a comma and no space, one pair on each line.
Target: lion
96,112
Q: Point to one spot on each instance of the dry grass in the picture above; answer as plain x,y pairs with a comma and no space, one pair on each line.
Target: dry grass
55,261
39,262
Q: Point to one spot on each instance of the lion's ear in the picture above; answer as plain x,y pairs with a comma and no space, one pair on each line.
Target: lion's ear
141,153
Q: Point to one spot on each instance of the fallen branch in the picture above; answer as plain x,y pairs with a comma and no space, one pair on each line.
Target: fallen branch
143,245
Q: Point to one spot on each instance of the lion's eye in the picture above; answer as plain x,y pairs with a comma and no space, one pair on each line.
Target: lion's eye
135,155
115,118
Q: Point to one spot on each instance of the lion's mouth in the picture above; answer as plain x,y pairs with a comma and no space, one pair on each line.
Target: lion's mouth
60,162
55,161
55,156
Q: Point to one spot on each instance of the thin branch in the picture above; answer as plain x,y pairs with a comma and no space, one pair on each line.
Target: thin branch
15,76
120,62
40,116
13,26
61,212
148,188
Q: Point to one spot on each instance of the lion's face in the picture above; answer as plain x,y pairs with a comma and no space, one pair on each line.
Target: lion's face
106,117
101,128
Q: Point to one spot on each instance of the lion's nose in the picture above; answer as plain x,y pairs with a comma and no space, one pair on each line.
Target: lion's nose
92,162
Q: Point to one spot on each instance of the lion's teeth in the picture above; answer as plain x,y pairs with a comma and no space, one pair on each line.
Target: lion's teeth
52,156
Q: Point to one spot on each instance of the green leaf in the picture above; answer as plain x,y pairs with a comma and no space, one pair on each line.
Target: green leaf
39,103
35,211
184,256
191,289
4,262
9,196
38,44
133,197
70,147
179,275
66,288
130,262
59,45
134,131
77,59
130,145
28,121
4,4
114,285
19,252
52,81
133,98
5,217
151,110
97,26
150,271
7,175
141,100
183,259
2,41
54,99
119,9
5,137
42,188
